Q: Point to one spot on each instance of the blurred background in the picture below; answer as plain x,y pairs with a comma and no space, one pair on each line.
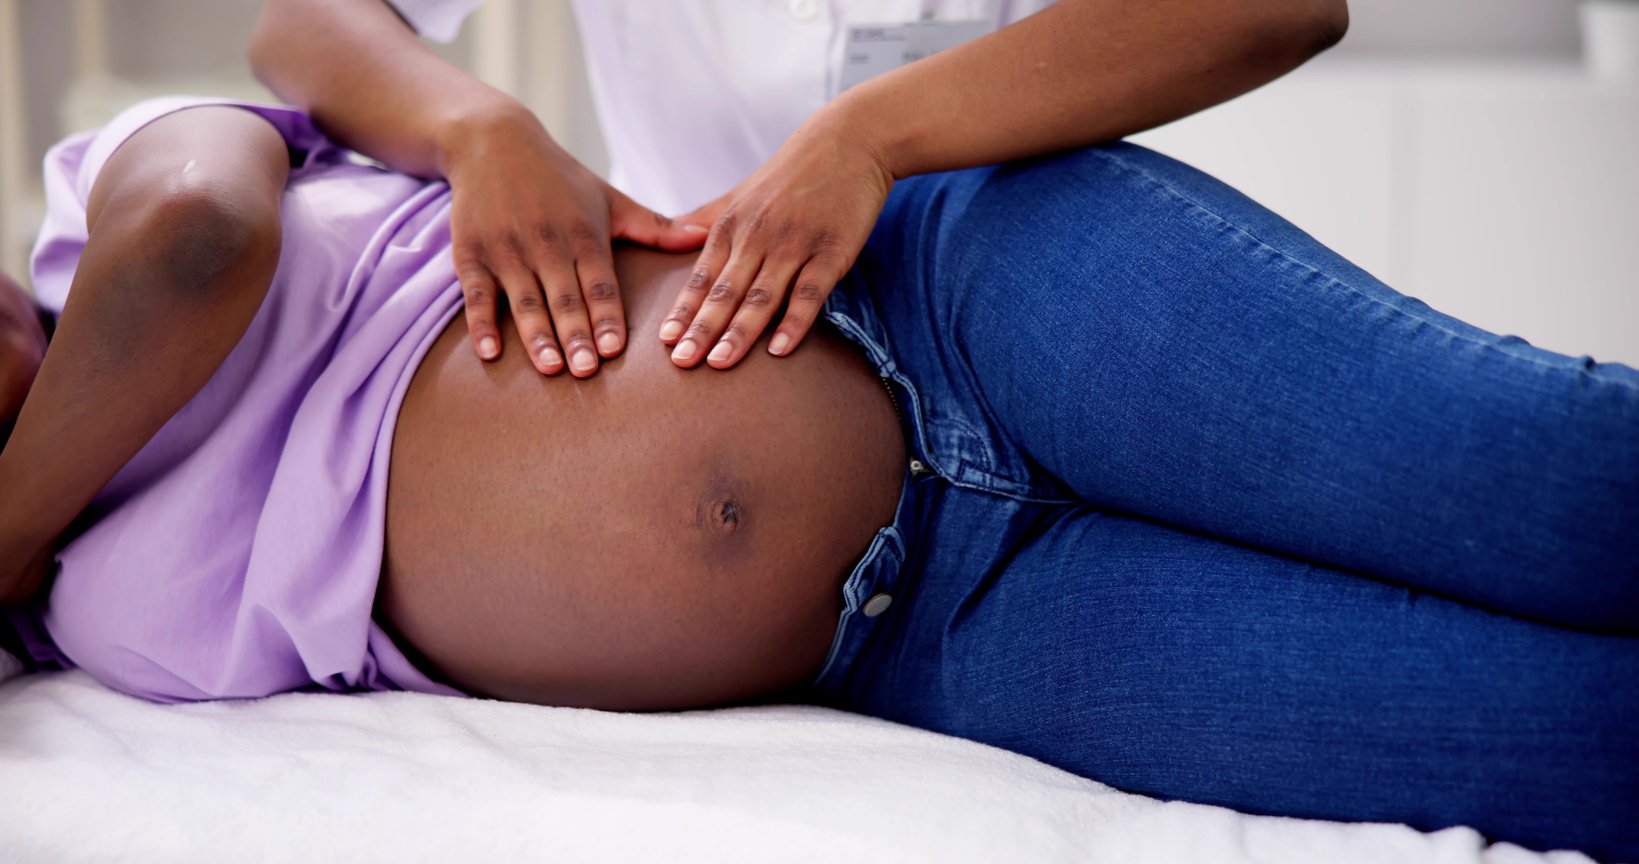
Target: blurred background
1481,155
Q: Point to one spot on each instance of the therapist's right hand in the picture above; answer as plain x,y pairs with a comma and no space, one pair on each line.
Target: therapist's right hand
530,222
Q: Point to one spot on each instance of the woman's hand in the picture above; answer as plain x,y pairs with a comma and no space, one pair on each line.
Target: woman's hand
530,222
800,221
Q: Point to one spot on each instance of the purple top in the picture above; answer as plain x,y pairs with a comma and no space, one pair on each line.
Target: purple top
237,555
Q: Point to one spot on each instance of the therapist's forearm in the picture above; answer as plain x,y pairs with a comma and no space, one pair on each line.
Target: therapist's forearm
1080,72
367,79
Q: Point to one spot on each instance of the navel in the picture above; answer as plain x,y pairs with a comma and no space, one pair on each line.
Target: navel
724,514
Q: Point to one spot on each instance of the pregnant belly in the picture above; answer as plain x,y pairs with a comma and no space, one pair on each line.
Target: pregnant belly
647,538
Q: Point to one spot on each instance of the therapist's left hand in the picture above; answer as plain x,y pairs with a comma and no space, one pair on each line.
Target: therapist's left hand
791,229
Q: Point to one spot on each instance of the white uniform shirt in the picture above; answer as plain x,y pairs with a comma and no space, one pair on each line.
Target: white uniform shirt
693,95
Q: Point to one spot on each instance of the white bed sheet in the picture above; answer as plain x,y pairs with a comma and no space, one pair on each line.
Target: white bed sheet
88,774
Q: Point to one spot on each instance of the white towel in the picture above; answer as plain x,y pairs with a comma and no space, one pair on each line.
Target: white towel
88,774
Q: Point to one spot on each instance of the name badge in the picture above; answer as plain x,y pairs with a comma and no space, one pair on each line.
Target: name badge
873,49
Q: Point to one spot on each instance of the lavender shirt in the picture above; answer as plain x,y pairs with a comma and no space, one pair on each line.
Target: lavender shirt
237,554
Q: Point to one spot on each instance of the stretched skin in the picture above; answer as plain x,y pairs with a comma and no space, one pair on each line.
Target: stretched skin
648,538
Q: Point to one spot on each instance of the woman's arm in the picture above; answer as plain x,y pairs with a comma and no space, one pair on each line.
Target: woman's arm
370,82
184,240
1080,72
528,220
1076,73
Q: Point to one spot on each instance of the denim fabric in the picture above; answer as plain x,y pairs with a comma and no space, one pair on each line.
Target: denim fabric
1204,511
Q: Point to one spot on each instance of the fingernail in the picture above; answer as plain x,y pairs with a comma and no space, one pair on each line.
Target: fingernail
486,347
695,229
684,351
669,330
608,343
584,360
779,344
720,353
549,357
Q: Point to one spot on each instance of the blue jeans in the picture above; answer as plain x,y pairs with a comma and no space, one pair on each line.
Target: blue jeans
1201,510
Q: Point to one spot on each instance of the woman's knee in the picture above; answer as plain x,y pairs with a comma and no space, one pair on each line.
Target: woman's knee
194,195
190,253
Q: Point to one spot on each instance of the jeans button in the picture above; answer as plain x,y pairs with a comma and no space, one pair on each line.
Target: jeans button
877,605
918,468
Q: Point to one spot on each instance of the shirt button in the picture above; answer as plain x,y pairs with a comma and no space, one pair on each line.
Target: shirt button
804,9
918,467
877,605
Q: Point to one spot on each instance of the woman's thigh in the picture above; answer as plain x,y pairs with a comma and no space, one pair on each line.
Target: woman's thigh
1178,666
1118,325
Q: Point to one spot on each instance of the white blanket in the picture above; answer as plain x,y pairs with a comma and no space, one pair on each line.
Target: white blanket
87,774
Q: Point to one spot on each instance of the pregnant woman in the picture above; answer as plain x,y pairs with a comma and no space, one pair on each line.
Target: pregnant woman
1089,457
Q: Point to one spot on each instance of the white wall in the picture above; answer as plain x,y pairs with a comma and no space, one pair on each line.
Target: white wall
1450,29
1505,193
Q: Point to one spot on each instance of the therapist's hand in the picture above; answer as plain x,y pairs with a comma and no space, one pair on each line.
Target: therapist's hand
790,230
531,223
